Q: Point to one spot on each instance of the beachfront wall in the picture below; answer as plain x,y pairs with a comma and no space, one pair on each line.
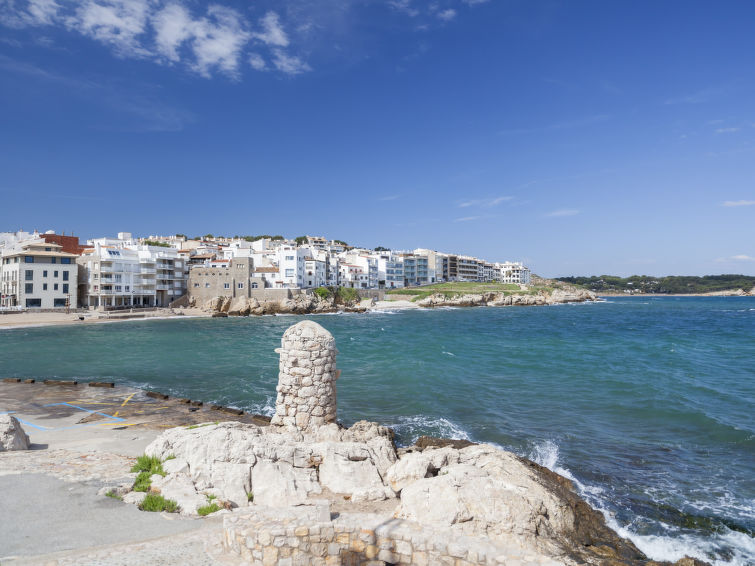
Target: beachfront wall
263,536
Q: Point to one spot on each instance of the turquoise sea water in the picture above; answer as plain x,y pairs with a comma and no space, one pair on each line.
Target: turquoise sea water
647,403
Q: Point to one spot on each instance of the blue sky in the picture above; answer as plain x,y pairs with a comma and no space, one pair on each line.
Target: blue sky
580,137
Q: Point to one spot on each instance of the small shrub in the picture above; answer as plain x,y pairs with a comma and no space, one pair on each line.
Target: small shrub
154,502
114,495
322,292
210,497
142,482
149,464
207,509
250,496
347,295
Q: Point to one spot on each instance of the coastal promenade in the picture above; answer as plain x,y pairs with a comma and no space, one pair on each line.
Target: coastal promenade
83,440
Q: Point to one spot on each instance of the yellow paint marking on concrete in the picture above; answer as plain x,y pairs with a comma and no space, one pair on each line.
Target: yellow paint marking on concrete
127,399
158,408
116,413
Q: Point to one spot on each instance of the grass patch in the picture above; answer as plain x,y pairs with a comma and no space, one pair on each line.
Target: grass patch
170,457
250,496
154,502
151,464
142,482
207,509
114,495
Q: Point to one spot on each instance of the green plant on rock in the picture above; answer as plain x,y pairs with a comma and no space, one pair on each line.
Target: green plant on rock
151,464
207,509
323,292
250,496
154,502
113,495
142,482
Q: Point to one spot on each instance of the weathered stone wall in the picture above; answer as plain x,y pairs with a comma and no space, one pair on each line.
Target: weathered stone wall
264,536
307,379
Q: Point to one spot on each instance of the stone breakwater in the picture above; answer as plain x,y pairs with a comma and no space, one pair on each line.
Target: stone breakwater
308,491
298,304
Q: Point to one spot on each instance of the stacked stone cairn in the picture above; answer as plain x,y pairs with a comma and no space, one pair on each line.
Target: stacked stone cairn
307,379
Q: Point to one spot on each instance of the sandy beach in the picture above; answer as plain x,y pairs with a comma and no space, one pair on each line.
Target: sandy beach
10,320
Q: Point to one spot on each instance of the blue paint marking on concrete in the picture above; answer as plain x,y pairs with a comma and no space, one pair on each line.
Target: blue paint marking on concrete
111,418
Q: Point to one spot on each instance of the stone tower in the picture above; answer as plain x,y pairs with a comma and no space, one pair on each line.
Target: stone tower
307,379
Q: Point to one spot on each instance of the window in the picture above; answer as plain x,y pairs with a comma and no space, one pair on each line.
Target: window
65,288
289,258
33,303
55,287
240,266
44,286
53,260
196,284
207,285
54,273
59,302
289,273
226,285
96,287
117,287
240,285
29,259
29,288
29,275
254,285
126,288
95,276
65,276
66,260
44,273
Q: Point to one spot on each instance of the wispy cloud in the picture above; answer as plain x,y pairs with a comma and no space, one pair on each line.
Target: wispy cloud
738,203
563,212
735,258
726,130
565,125
697,97
485,202
447,15
165,31
389,197
136,108
467,218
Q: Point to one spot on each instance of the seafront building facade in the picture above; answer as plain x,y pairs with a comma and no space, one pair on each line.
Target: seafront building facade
127,272
38,274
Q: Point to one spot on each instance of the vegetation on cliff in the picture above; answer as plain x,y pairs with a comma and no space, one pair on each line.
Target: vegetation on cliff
674,284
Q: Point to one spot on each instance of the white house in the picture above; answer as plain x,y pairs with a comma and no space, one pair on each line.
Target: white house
37,274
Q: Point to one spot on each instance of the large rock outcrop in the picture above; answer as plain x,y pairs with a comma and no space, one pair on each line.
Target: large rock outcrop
498,299
12,435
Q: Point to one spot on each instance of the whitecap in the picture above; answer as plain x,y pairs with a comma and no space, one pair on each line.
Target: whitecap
449,353
412,427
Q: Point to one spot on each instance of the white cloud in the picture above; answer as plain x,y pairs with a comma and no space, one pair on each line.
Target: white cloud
486,202
173,25
738,257
118,23
289,64
726,130
474,2
219,43
467,218
43,11
404,6
272,32
447,15
563,212
738,203
257,62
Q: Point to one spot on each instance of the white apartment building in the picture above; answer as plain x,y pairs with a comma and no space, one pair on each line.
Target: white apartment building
36,274
512,272
315,273
120,273
291,267
390,270
368,265
352,275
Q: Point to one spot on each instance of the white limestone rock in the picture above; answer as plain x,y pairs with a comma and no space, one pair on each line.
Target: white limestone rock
279,484
349,467
483,491
180,489
12,435
134,497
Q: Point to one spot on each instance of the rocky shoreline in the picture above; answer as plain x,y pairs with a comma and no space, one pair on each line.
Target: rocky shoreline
313,304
